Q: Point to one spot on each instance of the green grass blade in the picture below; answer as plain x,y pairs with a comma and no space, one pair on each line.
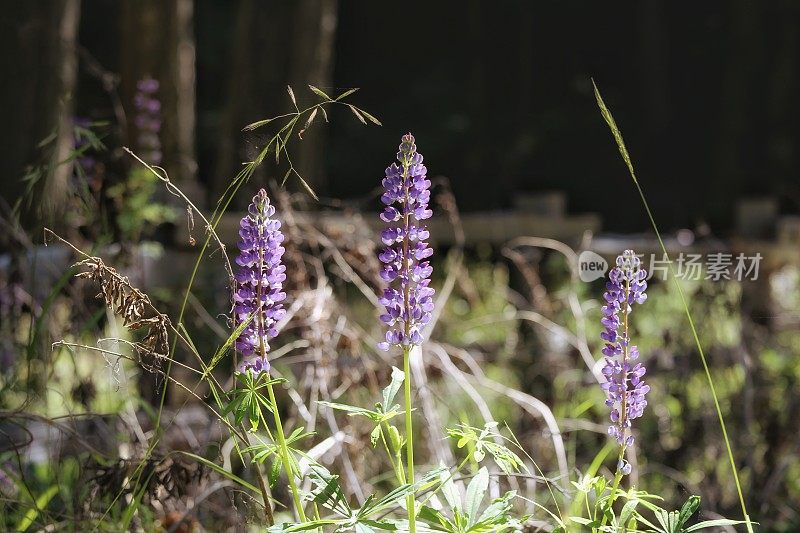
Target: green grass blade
39,505
626,157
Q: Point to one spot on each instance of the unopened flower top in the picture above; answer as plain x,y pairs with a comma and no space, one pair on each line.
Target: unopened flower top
408,301
259,282
624,386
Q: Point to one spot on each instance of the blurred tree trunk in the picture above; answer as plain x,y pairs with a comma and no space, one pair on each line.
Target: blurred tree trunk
254,88
732,153
39,63
158,40
277,43
312,64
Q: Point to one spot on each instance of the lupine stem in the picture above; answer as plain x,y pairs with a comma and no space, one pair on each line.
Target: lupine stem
412,526
284,452
412,520
615,486
261,328
404,260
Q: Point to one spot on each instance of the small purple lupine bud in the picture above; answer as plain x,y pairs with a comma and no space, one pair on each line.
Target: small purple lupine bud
625,389
148,120
259,283
409,302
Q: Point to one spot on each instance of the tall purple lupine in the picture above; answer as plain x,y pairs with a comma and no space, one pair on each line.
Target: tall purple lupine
408,301
625,388
259,282
148,120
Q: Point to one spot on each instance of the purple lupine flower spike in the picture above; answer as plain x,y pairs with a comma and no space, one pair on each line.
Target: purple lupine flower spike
624,386
408,301
148,119
259,282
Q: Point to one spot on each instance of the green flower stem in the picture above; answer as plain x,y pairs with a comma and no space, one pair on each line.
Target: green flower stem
623,407
615,486
284,451
412,526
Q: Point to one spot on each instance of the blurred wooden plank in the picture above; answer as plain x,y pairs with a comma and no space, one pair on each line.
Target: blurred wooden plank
495,227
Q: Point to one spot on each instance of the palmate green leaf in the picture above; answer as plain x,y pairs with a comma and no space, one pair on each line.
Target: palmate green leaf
663,518
450,490
353,410
435,519
646,522
476,491
483,442
274,473
262,451
298,434
382,412
498,508
389,393
374,506
714,523
248,400
627,511
306,526
689,508
585,522
326,490
384,525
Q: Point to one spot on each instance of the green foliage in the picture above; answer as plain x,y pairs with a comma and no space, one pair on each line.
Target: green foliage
383,413
478,313
483,441
467,514
138,214
247,401
602,515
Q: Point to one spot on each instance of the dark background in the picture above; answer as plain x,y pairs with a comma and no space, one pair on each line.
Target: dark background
498,94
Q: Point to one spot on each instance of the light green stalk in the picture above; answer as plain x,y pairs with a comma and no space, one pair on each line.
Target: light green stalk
284,453
412,526
623,407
